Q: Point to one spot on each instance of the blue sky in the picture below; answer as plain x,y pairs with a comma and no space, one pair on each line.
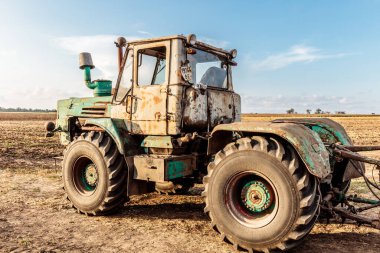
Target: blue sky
300,54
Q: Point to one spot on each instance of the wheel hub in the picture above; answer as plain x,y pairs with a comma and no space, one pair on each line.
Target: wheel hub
257,196
91,175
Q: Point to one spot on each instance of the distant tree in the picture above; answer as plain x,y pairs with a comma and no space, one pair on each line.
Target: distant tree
340,112
290,111
19,109
318,111
308,111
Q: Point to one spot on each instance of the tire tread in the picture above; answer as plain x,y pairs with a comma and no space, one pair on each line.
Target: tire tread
306,185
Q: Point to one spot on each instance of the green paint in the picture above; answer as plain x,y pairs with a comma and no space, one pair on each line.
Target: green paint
362,200
101,87
330,135
371,201
117,129
89,178
175,169
73,108
256,196
306,142
87,77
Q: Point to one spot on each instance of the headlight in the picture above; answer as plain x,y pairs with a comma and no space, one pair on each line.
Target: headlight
49,126
233,53
191,39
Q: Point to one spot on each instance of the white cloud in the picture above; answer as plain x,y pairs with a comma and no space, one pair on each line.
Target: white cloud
216,43
5,53
296,54
40,96
342,101
146,33
101,47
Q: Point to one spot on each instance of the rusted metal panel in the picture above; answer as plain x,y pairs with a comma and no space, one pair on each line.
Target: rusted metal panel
119,112
151,40
117,130
207,108
307,143
156,168
195,109
221,107
174,109
149,101
360,148
349,152
329,130
237,106
157,142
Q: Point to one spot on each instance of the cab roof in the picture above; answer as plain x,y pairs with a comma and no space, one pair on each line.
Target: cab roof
198,44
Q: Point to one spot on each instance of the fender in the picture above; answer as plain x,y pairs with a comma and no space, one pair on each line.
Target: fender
305,141
330,132
117,129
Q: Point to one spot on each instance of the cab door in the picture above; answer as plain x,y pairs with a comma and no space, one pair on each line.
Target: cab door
150,84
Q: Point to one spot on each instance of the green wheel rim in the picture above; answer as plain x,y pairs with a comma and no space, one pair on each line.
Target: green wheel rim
89,177
256,196
85,176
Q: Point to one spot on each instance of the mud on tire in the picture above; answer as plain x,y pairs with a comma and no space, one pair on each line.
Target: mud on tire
94,174
291,194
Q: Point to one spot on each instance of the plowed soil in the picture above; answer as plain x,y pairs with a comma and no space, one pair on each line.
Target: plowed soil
35,217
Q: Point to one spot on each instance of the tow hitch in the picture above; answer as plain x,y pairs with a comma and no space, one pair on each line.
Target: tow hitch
346,210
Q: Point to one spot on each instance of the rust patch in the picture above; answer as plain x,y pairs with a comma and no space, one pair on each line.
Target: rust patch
156,100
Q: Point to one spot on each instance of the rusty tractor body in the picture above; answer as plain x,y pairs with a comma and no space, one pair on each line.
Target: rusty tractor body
173,119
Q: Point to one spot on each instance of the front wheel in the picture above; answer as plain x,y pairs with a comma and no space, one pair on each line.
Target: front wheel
94,174
259,197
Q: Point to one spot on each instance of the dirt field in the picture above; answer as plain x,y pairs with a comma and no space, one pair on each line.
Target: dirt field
34,217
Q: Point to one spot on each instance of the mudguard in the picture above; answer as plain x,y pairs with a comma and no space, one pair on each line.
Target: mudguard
330,132
117,129
305,141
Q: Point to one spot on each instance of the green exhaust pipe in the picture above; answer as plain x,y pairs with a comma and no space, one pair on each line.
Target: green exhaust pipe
101,87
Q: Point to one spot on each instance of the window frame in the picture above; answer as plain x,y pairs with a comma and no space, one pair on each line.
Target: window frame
138,48
229,69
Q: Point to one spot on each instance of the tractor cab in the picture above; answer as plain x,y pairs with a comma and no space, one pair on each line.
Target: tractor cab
169,85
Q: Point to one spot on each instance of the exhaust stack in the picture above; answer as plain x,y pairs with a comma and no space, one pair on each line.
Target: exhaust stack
120,43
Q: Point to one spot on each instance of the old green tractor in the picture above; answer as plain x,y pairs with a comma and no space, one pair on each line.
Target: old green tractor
173,119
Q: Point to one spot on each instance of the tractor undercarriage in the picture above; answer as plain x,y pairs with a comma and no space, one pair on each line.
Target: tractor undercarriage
336,204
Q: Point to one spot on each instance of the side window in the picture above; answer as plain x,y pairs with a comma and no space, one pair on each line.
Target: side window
151,66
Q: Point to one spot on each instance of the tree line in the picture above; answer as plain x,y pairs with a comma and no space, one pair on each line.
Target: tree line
317,111
19,109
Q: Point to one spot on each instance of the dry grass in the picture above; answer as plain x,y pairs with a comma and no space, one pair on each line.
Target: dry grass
27,116
34,217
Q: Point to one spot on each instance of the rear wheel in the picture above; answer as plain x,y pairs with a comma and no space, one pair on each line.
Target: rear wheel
94,174
259,197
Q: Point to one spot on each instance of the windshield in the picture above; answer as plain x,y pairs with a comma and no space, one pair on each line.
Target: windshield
207,69
126,77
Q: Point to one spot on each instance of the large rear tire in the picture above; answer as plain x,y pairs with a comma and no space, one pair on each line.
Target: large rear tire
94,174
259,196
